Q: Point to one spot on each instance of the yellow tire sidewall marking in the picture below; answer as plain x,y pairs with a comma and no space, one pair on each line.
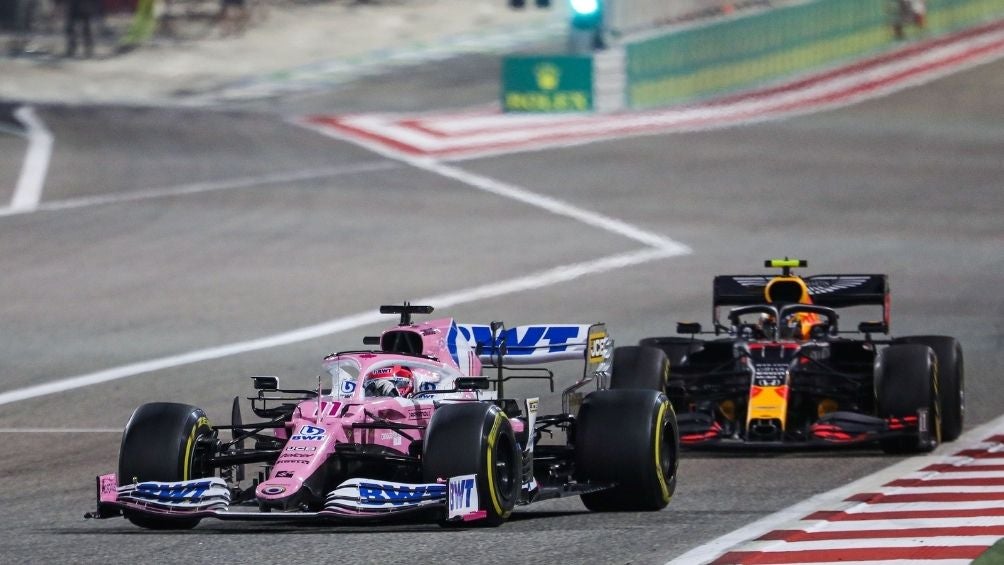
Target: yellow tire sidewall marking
660,476
189,446
490,467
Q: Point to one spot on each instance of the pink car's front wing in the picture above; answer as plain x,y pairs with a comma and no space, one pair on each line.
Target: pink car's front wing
455,498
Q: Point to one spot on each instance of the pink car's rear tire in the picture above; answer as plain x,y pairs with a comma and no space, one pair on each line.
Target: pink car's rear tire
630,439
639,367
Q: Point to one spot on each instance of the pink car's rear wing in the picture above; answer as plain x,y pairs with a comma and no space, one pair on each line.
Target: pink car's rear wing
523,345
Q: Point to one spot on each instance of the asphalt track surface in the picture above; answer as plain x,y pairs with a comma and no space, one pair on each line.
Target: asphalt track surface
243,226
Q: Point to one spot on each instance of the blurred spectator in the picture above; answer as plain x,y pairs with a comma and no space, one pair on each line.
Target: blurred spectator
21,14
233,17
79,14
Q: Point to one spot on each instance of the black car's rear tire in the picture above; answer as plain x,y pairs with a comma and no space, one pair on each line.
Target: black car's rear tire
164,441
630,438
475,438
639,367
905,381
676,348
951,381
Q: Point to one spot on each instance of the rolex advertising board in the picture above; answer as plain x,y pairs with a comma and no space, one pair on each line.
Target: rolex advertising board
556,83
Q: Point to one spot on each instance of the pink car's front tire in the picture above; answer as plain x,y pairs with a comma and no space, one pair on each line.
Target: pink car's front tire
164,441
475,438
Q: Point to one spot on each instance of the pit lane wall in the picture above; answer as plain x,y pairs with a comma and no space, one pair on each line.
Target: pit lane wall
715,56
751,49
623,17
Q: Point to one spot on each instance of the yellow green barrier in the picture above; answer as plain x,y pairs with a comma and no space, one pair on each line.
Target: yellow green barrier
739,53
143,24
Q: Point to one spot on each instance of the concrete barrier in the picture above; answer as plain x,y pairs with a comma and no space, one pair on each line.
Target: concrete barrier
750,48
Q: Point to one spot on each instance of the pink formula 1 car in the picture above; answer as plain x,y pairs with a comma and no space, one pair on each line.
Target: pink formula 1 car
420,424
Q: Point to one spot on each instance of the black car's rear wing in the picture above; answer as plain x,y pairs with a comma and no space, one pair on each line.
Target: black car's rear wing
834,291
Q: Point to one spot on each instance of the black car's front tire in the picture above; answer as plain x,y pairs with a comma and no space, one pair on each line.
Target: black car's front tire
164,441
906,381
951,381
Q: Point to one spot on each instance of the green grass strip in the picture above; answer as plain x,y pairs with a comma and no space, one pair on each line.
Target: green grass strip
992,556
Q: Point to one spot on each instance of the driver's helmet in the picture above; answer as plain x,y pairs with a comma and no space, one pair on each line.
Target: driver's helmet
787,290
792,290
396,380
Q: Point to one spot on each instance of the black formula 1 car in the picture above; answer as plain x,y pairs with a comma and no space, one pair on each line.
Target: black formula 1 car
781,372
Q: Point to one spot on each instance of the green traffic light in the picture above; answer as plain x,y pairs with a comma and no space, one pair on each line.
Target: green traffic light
585,7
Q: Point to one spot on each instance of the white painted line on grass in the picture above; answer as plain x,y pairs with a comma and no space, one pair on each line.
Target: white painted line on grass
825,501
541,279
208,186
28,192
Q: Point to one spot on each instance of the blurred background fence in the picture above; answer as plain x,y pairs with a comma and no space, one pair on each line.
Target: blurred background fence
752,48
624,17
37,26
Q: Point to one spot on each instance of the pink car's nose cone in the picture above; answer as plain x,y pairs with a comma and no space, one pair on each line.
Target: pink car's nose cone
302,456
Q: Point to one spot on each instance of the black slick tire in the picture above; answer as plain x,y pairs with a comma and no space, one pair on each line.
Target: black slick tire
676,348
161,442
639,367
628,438
475,438
906,380
951,381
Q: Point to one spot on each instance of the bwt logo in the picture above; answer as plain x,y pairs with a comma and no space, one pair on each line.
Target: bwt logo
348,387
460,494
373,493
555,338
172,492
309,433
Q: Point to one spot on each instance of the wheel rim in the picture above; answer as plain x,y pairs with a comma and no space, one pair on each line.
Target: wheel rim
504,466
202,453
667,451
961,382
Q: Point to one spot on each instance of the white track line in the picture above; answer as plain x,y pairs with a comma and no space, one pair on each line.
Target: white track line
28,192
202,187
552,205
657,247
506,190
711,550
541,279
